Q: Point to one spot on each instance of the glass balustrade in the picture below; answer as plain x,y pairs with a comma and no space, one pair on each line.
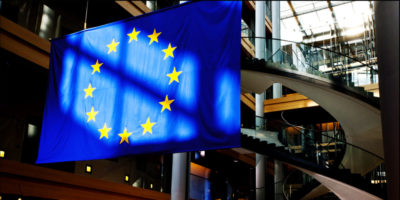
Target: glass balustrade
325,63
334,67
326,147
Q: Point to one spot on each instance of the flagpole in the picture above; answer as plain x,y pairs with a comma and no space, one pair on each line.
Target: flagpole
86,12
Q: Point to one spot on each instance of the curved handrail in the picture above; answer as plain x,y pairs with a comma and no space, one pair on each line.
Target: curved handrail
287,197
345,75
295,55
324,63
288,194
316,146
256,37
343,141
343,145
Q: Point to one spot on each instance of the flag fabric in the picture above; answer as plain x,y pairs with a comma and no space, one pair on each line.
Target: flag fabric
163,82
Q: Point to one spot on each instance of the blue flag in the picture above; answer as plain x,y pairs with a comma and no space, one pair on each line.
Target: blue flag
164,82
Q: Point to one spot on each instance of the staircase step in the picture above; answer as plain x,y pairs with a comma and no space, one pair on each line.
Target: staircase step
300,159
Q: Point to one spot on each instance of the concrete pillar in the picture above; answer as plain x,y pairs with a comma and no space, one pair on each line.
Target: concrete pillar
180,172
277,91
387,49
260,54
260,124
278,167
278,179
276,44
260,176
276,27
260,30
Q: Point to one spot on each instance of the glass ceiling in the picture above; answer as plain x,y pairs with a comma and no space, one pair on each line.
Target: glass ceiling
315,19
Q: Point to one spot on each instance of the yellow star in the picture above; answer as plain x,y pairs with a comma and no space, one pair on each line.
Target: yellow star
166,104
174,76
124,136
89,91
133,35
169,51
96,67
104,131
147,126
92,114
111,47
153,37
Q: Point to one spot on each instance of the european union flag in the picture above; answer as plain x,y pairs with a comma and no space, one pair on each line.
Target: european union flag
167,81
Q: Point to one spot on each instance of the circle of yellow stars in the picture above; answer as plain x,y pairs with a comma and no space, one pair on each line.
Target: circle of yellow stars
166,104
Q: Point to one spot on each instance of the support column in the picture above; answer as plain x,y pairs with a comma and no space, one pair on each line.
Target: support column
387,49
180,172
278,179
260,176
276,43
260,54
276,26
278,167
277,90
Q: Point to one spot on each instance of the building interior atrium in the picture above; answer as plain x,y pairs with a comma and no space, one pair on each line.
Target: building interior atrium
318,107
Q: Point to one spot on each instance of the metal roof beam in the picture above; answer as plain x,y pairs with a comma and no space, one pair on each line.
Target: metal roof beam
335,24
296,18
314,10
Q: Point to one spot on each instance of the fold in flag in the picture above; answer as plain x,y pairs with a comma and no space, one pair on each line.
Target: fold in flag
163,82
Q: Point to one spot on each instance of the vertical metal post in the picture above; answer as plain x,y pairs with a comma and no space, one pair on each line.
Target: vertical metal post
180,172
86,13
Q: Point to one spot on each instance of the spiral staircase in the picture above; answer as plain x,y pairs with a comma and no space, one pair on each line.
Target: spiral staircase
331,80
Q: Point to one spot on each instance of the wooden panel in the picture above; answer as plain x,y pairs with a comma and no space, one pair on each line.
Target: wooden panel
23,49
289,102
326,144
24,34
250,4
290,105
268,26
248,100
30,180
248,47
199,170
20,41
135,8
287,98
140,5
129,8
331,126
